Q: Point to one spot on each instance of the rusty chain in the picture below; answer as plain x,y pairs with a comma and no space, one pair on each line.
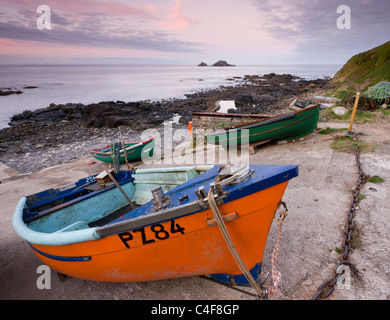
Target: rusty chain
327,287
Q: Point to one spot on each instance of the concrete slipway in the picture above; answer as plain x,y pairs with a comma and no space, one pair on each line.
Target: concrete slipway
317,201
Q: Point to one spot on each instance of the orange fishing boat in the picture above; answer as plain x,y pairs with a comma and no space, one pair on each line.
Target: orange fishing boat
92,232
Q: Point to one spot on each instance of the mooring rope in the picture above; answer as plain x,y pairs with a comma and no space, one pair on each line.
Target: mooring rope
276,275
230,244
263,292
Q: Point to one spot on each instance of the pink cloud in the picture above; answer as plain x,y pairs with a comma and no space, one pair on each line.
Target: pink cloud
75,7
176,20
151,7
50,52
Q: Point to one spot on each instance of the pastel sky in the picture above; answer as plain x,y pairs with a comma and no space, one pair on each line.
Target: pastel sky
243,32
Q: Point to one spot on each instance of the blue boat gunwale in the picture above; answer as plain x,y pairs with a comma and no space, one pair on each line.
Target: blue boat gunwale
234,192
89,234
41,198
75,236
67,195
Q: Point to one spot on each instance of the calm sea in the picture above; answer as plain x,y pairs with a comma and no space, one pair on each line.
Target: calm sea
87,84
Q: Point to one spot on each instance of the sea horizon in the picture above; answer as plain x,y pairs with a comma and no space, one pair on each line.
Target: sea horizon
93,83
165,64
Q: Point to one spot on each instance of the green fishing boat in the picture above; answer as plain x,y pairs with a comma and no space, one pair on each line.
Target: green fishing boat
289,126
134,151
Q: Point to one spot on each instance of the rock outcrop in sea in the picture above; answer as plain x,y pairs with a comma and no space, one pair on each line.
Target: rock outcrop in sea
222,63
7,92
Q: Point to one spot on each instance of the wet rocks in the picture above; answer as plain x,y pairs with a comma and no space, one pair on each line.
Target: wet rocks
253,94
50,114
9,91
57,130
136,115
32,146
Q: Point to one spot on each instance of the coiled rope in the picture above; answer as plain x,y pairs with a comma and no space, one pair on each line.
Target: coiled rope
276,275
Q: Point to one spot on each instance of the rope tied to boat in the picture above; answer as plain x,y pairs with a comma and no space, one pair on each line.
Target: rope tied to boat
263,292
276,275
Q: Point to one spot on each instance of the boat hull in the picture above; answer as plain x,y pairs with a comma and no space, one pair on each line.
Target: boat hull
144,150
186,246
290,126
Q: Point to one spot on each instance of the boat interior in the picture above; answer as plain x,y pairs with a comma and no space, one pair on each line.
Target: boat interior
94,202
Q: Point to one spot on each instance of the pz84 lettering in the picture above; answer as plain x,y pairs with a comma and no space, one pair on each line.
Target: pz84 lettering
158,232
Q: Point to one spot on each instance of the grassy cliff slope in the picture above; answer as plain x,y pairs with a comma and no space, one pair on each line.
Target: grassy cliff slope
364,70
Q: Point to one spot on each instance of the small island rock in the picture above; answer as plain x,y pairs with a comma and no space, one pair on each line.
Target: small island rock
222,63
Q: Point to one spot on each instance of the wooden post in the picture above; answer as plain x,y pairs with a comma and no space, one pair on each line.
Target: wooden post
354,111
120,188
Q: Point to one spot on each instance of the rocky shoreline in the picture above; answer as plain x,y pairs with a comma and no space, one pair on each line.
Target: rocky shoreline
62,133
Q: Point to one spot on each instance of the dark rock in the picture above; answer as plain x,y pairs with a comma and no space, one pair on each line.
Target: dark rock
222,63
269,76
8,92
202,64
